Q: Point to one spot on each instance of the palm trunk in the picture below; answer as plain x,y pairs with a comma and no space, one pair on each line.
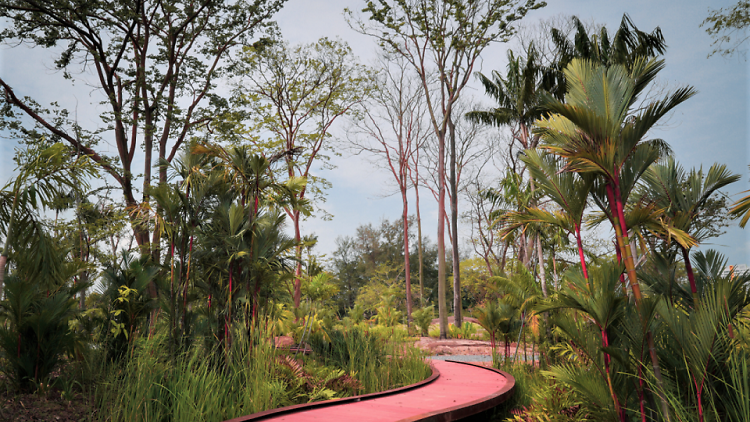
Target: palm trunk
691,276
298,268
542,273
624,246
618,409
6,247
185,288
581,256
618,232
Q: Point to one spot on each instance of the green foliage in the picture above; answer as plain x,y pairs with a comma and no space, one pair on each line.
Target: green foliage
153,386
386,312
728,26
498,318
125,303
423,318
378,359
467,331
741,208
36,335
476,282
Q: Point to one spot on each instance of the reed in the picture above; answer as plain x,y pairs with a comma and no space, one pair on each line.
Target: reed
199,385
379,359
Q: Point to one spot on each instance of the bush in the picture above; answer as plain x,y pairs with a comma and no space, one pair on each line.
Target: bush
422,319
38,334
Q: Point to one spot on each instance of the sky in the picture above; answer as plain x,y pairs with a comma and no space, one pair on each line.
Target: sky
711,127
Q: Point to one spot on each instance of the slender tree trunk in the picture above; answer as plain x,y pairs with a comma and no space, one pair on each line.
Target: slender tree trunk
691,276
415,182
618,409
581,256
555,278
6,247
407,265
419,250
442,310
542,273
298,255
624,246
3,261
457,305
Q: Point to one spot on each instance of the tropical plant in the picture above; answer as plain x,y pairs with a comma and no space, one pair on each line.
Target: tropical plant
498,318
423,319
36,335
741,207
125,302
683,195
45,174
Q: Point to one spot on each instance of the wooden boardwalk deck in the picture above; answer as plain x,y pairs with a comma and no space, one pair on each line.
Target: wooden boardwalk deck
455,391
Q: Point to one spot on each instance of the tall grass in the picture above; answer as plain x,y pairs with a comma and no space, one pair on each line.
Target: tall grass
198,386
380,359
207,385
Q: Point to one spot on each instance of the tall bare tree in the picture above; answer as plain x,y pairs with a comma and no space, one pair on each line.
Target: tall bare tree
393,128
445,37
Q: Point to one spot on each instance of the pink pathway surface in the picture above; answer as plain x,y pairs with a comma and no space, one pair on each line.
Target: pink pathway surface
459,391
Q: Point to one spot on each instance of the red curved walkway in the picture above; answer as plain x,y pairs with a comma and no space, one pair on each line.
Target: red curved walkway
459,390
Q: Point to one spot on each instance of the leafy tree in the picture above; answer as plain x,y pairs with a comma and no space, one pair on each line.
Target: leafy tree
296,94
36,335
622,48
568,190
156,65
728,26
445,37
519,97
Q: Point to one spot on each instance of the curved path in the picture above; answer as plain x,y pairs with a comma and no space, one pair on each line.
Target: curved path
455,390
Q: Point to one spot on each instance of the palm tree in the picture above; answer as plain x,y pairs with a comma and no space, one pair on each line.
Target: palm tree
43,177
519,99
683,196
597,298
622,48
568,190
598,131
702,336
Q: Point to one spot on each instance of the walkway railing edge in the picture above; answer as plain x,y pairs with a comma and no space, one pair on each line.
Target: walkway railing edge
335,402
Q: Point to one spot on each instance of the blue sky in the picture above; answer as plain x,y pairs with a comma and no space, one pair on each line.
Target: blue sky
711,127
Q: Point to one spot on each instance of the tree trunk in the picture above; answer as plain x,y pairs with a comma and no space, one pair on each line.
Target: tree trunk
298,255
579,242
457,305
442,311
407,266
542,274
624,246
6,247
419,249
3,261
691,276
